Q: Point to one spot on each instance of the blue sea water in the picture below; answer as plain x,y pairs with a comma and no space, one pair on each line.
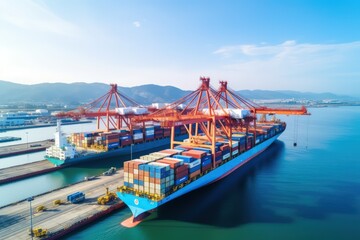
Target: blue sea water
311,191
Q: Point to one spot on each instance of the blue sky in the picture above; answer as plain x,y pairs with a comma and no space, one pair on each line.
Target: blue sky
298,45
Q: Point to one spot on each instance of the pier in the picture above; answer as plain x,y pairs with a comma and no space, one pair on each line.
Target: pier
24,148
25,170
62,219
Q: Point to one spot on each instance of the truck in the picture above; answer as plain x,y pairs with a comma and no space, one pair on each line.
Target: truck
38,232
76,197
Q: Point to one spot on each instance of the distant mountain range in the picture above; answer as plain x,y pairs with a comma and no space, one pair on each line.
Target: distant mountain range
80,93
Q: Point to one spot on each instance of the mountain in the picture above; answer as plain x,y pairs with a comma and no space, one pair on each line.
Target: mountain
286,94
80,93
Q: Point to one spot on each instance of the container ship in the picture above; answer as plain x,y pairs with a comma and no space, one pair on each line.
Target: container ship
225,133
83,147
115,134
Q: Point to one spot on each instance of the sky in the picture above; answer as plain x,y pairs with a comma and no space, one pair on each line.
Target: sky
301,45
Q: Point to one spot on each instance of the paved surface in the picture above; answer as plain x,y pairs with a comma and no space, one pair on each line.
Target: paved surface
25,148
25,170
15,219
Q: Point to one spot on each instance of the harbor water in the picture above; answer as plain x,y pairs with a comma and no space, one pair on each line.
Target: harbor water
311,191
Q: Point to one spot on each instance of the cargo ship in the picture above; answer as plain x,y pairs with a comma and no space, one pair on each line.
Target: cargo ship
160,177
83,147
224,135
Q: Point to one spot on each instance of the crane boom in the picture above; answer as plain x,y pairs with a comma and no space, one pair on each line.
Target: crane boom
282,111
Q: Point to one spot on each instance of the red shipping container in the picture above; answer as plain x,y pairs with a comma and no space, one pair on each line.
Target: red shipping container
138,140
171,163
207,167
181,168
186,147
194,153
181,174
224,147
218,154
194,174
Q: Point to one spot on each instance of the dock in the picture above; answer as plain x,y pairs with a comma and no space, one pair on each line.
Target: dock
15,173
23,148
61,219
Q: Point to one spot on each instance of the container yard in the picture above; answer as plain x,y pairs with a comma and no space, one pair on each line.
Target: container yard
61,211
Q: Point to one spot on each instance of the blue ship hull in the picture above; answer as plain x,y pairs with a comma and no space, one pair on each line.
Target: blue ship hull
140,147
140,205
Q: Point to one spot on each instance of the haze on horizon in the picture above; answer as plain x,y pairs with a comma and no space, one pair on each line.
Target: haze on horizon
300,45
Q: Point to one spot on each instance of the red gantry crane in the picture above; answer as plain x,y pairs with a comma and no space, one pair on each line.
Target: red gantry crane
113,110
210,116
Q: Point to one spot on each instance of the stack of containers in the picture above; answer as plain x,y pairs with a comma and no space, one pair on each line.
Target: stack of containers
125,139
158,178
249,143
264,130
259,138
88,139
158,132
138,135
218,158
98,140
205,160
172,151
225,149
241,139
112,141
149,133
234,148
150,157
131,173
192,158
177,130
182,129
167,132
77,139
181,171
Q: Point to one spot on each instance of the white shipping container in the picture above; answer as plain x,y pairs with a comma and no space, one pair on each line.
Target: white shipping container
195,163
226,156
139,110
124,110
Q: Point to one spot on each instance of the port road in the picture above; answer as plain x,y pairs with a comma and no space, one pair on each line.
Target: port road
15,218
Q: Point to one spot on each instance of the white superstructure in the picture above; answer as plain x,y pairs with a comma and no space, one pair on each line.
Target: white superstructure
61,149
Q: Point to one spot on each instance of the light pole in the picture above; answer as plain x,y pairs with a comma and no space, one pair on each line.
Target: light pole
31,226
27,140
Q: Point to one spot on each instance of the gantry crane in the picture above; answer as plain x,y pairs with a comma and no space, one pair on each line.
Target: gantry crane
206,115
104,110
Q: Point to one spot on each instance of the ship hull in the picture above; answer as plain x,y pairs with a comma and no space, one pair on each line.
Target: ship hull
140,205
136,148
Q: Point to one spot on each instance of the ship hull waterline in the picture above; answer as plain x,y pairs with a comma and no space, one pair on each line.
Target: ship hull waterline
141,206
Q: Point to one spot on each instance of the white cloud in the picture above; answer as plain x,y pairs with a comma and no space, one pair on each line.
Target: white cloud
137,24
30,15
289,47
292,65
